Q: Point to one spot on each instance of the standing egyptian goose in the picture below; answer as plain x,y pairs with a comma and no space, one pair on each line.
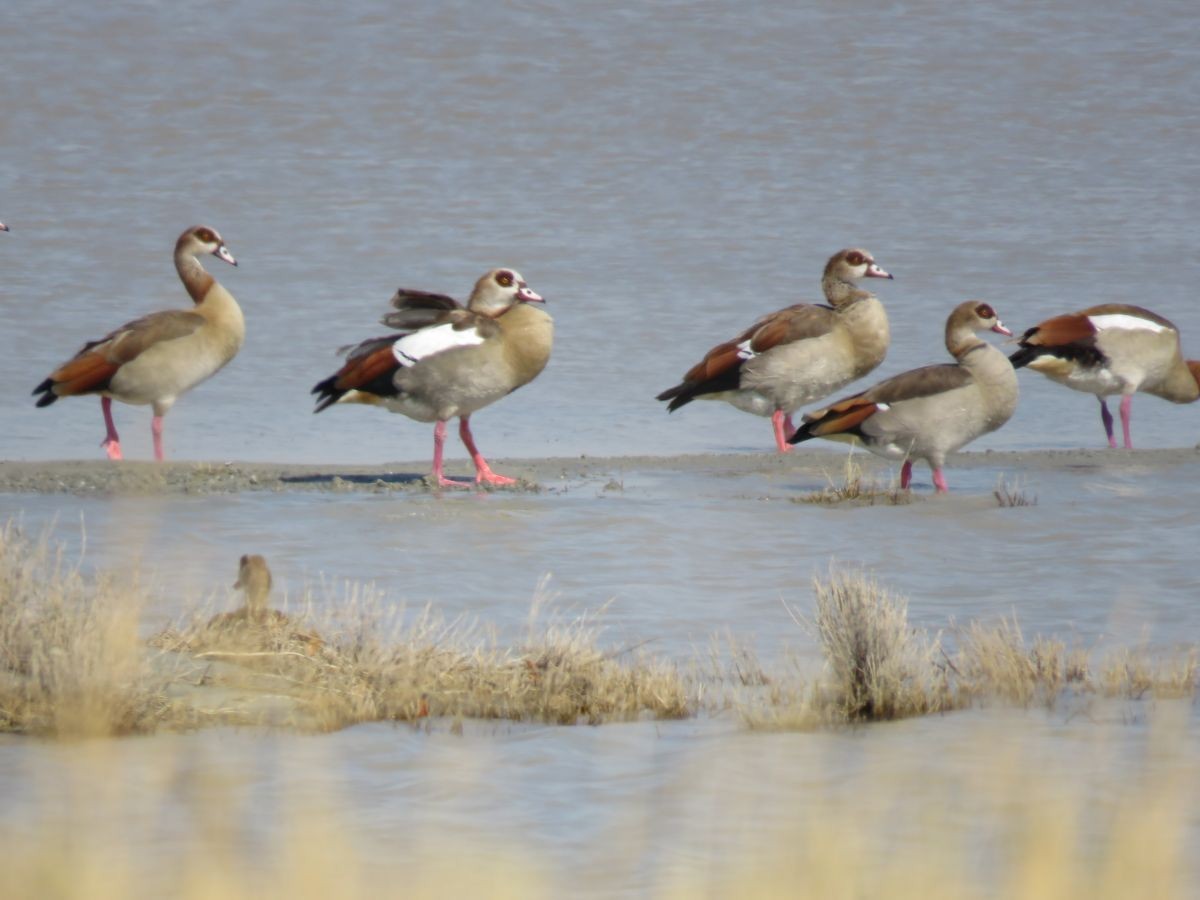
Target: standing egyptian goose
1112,349
254,578
928,412
155,359
450,361
799,354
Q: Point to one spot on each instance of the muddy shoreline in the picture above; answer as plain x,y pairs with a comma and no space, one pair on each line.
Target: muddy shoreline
90,477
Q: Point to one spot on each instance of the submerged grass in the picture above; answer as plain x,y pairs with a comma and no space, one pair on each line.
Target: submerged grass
72,663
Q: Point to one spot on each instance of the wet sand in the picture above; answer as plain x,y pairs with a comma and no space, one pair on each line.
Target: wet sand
103,477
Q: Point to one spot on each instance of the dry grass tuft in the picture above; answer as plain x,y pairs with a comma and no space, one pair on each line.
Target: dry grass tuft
879,667
1008,495
855,488
70,659
373,665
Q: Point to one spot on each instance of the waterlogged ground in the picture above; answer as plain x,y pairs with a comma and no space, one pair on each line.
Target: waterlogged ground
674,551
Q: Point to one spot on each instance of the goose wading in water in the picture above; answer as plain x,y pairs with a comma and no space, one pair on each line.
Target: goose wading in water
1112,349
929,412
449,360
799,354
157,358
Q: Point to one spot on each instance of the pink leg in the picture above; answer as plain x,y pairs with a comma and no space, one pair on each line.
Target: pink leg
906,474
439,443
939,481
1126,413
483,474
111,442
156,428
783,430
1106,418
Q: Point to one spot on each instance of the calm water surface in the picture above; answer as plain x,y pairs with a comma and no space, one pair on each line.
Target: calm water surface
662,174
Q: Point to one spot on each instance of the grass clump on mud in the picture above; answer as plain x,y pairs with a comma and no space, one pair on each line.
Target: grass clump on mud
856,489
70,656
372,664
73,662
879,667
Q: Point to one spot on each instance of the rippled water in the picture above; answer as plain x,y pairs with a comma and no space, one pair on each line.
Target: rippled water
663,175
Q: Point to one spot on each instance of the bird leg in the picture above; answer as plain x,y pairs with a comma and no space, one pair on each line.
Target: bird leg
906,474
784,429
1107,419
1126,414
483,473
939,481
111,442
156,429
439,443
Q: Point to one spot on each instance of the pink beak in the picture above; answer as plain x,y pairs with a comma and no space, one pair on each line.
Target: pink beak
873,271
526,295
1000,329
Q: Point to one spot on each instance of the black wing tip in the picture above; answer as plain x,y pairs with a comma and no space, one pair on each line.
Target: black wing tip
46,389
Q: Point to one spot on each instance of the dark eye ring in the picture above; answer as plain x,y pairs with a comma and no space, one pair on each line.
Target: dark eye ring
855,258
985,312
504,279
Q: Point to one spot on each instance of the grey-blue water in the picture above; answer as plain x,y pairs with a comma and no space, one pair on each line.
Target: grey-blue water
662,174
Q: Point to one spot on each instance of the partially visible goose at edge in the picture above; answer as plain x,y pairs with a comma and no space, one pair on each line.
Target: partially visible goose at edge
450,360
157,358
799,354
929,412
1112,349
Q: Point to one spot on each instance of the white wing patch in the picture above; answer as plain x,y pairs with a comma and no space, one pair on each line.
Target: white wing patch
882,407
744,351
412,348
1128,323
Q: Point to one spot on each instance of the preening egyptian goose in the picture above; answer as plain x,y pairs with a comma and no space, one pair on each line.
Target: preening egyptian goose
1112,349
155,359
928,412
450,360
799,354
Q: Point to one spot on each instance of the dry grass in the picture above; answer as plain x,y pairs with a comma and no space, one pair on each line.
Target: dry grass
70,664
371,664
878,667
1008,495
855,488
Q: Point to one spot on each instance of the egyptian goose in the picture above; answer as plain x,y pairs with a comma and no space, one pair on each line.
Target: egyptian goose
799,354
254,577
450,360
1112,349
155,359
928,412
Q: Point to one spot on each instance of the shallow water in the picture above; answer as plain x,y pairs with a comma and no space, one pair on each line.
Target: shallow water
662,175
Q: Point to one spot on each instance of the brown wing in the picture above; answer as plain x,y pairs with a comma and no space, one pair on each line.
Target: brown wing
369,367
92,368
843,416
720,368
848,414
922,382
796,323
1060,331
418,309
